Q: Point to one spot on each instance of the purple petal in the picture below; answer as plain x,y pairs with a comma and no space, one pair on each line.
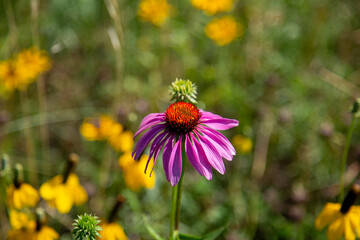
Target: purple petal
222,138
146,138
150,120
166,156
223,148
212,154
158,148
175,163
192,153
217,122
154,146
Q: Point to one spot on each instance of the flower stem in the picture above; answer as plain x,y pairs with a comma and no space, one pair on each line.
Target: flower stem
345,156
175,204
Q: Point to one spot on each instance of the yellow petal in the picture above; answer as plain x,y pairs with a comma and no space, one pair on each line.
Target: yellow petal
77,192
47,233
63,199
328,214
47,189
17,199
126,160
89,131
349,232
336,229
30,195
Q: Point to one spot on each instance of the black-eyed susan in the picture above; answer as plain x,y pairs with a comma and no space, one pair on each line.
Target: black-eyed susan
16,74
154,11
134,175
242,144
212,7
29,229
33,62
63,191
223,30
20,194
11,77
20,220
343,219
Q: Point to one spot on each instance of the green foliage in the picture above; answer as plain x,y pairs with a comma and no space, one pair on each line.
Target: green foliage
86,227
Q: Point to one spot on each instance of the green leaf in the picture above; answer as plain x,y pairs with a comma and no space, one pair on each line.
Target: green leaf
152,232
215,233
188,237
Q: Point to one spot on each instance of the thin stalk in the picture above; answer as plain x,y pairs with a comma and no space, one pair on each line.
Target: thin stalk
345,156
30,151
176,204
44,131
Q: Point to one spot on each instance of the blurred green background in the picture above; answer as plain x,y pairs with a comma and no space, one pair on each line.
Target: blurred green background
289,80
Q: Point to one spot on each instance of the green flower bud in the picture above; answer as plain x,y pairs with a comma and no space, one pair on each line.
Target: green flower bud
86,227
183,90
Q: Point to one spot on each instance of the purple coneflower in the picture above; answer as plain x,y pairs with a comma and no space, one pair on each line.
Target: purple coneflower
184,123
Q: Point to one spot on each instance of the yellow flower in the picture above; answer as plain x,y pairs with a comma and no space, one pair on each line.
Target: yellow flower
45,233
213,6
33,62
134,175
154,11
242,144
223,30
341,224
11,76
62,195
112,231
22,196
100,128
20,220
122,142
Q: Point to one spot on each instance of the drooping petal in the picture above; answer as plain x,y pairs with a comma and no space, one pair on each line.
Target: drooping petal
146,138
150,120
166,156
328,214
220,137
223,150
212,154
349,232
336,229
203,158
193,156
175,163
154,146
158,149
63,202
217,122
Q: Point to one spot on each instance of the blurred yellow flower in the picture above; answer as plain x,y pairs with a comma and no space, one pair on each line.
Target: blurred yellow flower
134,175
213,6
154,11
341,224
45,233
23,70
242,144
100,128
11,76
20,220
62,195
112,231
223,30
22,196
122,142
33,62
